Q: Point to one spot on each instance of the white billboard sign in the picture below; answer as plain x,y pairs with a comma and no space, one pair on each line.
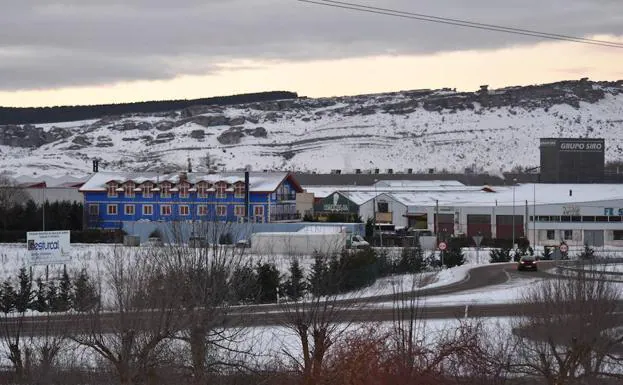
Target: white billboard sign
48,247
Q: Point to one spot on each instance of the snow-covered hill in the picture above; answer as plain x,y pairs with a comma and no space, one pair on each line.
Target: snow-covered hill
489,130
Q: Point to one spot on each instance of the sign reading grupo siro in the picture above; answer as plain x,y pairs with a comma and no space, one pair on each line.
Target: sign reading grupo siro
583,146
48,247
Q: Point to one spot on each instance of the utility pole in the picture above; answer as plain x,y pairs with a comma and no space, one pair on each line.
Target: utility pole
43,210
436,216
514,181
526,221
534,215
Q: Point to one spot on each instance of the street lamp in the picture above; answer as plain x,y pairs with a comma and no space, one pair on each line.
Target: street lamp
375,208
514,182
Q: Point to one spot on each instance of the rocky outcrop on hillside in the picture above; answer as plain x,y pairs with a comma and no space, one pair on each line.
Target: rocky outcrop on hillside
29,136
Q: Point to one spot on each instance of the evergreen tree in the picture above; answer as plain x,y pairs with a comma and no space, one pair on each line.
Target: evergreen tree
63,300
453,256
411,260
357,270
268,280
295,287
587,253
24,295
244,284
369,229
41,297
317,280
7,297
52,297
85,293
386,265
500,255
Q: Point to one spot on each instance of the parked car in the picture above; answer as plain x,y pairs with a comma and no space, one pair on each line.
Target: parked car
357,242
527,262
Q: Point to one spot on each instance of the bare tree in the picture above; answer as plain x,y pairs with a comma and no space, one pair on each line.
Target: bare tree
205,272
568,333
139,312
319,320
45,345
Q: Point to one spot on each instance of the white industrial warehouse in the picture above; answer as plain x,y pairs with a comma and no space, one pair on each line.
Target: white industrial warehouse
576,214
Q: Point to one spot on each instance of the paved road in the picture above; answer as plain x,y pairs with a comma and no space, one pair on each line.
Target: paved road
351,310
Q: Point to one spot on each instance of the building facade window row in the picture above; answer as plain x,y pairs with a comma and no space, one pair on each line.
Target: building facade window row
182,190
577,219
129,209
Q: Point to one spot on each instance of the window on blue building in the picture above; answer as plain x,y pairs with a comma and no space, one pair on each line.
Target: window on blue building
112,209
148,210
221,210
128,190
112,190
184,210
183,190
239,211
147,190
165,210
202,189
239,190
165,190
221,190
128,209
202,210
258,213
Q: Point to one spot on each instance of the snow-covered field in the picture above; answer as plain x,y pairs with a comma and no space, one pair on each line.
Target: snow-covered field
93,258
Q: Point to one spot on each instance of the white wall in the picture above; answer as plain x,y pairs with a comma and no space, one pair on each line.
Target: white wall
397,209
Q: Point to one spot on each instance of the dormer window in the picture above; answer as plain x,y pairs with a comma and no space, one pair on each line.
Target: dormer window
165,190
183,189
128,190
112,190
221,189
239,190
202,189
146,188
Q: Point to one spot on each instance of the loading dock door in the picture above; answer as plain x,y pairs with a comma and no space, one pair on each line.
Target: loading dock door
446,224
479,224
504,226
594,238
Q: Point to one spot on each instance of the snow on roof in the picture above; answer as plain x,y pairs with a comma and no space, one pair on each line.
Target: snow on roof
325,191
359,197
259,181
419,183
539,194
62,181
321,230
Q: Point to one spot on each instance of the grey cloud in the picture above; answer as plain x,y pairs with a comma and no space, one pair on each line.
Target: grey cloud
92,42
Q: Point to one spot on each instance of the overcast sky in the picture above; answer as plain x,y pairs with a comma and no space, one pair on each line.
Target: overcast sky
89,51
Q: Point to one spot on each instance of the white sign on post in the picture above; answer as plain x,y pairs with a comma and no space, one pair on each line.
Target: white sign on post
48,247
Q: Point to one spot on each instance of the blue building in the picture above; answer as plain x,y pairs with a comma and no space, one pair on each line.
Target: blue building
259,197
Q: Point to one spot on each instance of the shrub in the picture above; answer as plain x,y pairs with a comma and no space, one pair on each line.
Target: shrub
268,280
295,287
225,239
453,256
411,260
500,255
587,253
547,254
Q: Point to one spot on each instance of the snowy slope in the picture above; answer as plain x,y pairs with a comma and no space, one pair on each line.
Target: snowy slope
492,132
